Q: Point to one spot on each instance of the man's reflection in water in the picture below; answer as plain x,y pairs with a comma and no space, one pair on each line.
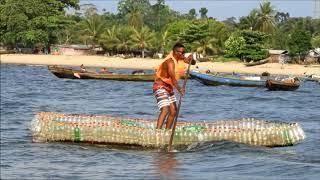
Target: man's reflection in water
165,164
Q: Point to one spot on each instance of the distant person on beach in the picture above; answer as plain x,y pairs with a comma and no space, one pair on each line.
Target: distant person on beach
104,71
138,72
82,68
166,79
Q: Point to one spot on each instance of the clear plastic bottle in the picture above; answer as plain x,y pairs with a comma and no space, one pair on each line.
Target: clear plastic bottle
77,134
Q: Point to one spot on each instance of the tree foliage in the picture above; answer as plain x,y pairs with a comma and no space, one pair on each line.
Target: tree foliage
316,41
142,38
141,25
299,43
93,27
266,17
235,45
247,45
27,24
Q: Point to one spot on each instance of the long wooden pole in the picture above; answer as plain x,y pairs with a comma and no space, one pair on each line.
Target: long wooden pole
178,109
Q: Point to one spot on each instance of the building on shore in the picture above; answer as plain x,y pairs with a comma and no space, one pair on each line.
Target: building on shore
278,56
72,50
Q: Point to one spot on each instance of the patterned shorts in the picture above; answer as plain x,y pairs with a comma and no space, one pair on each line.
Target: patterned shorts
164,98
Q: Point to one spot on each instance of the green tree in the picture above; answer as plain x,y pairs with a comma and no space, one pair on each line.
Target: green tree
135,18
109,39
142,39
250,21
203,13
194,34
33,22
231,23
281,17
159,16
299,43
205,45
94,26
316,41
252,48
234,45
219,32
266,17
134,11
279,39
192,14
175,29
124,38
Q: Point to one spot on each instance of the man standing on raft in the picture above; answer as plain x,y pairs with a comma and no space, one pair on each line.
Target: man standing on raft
166,77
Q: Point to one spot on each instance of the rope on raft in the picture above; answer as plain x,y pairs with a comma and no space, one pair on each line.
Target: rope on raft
51,126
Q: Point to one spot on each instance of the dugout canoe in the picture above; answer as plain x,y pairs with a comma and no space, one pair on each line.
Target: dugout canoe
103,129
216,80
285,85
264,61
69,73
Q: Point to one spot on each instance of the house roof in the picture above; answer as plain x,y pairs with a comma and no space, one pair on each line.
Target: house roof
277,52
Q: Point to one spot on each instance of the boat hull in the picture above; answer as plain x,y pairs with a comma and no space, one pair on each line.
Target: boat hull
214,80
76,74
257,63
273,85
57,127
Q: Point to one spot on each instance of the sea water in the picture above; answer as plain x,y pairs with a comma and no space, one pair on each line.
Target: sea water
26,90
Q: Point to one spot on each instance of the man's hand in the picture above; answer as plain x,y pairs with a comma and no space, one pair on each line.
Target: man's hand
190,59
182,91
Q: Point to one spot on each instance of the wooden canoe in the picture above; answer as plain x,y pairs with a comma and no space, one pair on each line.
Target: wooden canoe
62,72
216,80
264,61
286,85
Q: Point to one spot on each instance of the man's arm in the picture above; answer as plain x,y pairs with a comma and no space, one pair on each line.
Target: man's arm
188,59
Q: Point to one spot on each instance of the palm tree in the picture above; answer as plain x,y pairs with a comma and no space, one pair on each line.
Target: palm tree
266,17
205,45
251,20
109,38
124,38
94,27
163,41
135,18
142,38
220,33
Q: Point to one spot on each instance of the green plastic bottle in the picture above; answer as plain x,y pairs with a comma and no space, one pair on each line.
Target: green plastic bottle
77,134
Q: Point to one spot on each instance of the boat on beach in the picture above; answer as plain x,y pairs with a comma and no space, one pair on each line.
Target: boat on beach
216,80
264,61
69,73
312,77
283,85
130,132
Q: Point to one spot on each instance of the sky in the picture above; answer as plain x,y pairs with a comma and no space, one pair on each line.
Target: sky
222,9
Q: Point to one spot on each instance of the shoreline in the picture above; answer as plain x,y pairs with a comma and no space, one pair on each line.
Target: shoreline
148,63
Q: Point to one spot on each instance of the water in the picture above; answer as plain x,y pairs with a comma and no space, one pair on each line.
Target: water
26,90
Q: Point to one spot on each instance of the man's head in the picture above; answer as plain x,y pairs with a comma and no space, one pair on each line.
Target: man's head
178,51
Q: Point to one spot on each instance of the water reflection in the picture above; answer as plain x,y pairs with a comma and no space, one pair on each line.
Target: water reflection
166,165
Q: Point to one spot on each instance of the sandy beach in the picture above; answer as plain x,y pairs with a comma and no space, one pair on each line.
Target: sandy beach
146,63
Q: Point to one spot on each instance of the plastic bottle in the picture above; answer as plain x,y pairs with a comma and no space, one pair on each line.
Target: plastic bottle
77,134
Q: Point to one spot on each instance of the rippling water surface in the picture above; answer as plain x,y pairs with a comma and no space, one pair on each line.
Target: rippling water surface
26,90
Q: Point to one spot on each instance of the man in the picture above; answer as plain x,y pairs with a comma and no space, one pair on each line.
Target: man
166,78
82,68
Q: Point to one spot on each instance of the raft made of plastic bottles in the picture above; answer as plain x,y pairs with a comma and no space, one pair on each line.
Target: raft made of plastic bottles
104,129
